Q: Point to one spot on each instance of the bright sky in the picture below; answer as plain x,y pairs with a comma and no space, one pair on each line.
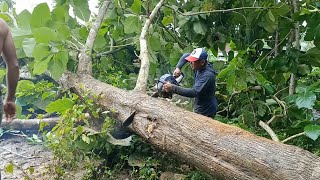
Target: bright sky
30,4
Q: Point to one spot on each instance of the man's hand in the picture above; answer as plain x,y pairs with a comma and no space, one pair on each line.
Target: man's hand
167,87
9,108
177,72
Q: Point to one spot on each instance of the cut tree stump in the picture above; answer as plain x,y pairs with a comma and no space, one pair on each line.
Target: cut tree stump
221,150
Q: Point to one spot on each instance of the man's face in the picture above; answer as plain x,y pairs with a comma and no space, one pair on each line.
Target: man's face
197,65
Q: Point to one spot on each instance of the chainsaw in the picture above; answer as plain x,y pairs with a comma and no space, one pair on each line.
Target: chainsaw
163,80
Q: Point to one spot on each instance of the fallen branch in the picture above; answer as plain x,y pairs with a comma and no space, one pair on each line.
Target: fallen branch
269,131
141,84
30,124
292,137
282,104
215,11
273,118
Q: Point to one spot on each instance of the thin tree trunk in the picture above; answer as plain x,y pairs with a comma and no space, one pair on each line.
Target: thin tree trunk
297,46
142,80
221,150
85,64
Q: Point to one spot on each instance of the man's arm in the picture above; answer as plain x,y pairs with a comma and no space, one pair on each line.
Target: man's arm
188,92
10,57
182,61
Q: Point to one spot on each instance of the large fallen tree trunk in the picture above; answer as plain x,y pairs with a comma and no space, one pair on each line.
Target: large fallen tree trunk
221,150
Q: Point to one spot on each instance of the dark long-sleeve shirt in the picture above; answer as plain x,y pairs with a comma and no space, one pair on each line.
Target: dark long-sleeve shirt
203,90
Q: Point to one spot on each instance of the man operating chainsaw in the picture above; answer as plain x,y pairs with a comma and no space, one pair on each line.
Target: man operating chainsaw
204,87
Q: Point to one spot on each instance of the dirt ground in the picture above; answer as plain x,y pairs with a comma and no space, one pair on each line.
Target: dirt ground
23,154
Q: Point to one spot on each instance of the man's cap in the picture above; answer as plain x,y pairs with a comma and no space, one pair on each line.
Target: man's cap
197,54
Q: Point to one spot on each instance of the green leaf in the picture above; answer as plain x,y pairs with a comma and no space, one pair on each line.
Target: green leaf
17,32
154,42
23,19
58,14
3,72
200,28
132,25
100,42
28,45
167,20
303,69
44,35
262,109
226,72
40,16
25,86
152,57
261,80
270,16
64,32
306,100
312,131
40,51
58,64
111,14
4,6
31,169
41,66
9,168
5,17
81,9
136,6
83,32
174,57
313,56
231,82
281,9
85,138
60,105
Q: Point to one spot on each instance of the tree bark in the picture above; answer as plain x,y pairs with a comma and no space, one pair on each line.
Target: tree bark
142,80
222,150
85,64
30,124
297,46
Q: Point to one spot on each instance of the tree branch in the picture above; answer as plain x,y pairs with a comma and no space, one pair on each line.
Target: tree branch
282,104
297,46
145,63
85,64
269,131
29,124
294,136
215,11
273,118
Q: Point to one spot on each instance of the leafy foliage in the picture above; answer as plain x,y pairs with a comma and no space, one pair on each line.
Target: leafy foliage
255,39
